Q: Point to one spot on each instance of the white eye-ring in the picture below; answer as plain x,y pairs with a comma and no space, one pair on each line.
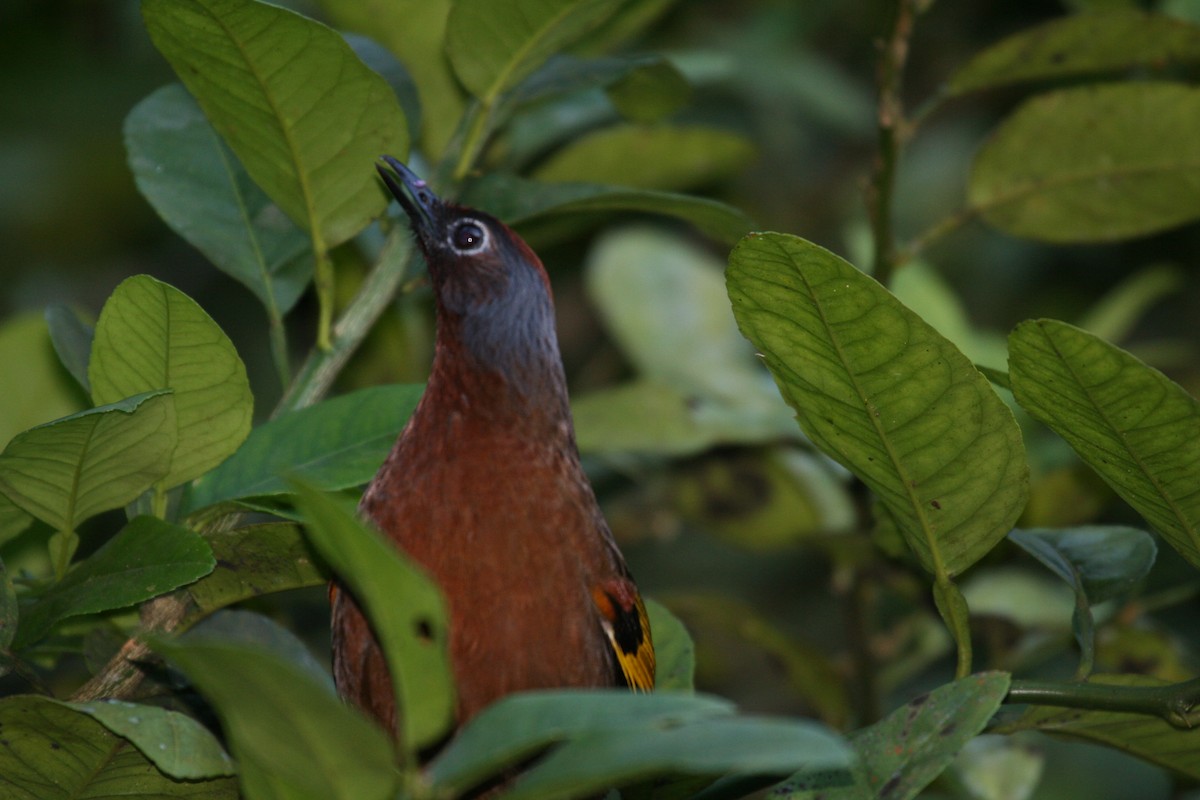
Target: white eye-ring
468,236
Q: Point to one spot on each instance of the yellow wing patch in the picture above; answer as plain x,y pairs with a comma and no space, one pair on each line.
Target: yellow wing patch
625,622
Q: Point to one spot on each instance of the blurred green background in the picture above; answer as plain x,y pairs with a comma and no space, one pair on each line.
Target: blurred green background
778,621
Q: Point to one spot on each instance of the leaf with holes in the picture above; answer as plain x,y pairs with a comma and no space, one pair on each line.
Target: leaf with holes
405,607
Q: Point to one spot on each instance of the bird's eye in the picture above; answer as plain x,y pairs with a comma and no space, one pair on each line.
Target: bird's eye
469,236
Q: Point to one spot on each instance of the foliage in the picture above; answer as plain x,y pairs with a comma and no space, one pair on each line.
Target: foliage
150,530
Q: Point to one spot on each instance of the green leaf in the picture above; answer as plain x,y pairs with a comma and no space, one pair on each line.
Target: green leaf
903,753
663,157
886,396
14,520
68,470
1082,44
72,339
495,44
177,744
415,30
382,61
335,444
53,752
663,300
565,74
674,651
405,607
1102,561
39,390
292,737
249,628
1135,427
519,726
304,115
1099,563
202,192
147,558
716,746
152,336
1150,738
518,201
254,561
1093,164
650,94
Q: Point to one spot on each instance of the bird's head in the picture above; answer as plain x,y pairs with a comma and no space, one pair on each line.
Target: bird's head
489,284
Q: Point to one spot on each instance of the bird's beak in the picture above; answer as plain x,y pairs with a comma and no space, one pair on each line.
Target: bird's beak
414,195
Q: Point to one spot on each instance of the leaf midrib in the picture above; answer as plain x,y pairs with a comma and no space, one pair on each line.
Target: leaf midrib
1119,435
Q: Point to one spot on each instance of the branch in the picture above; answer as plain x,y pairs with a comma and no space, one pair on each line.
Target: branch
1177,703
892,132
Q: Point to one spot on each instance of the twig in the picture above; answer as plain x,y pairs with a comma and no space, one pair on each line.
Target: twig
1178,703
892,132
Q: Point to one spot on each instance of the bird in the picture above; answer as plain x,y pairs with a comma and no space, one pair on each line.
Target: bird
485,490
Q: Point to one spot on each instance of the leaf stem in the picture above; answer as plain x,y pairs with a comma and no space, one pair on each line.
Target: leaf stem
323,365
279,348
892,132
1178,703
323,282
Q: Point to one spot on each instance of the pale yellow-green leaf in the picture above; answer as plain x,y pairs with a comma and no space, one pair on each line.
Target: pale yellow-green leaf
68,470
152,336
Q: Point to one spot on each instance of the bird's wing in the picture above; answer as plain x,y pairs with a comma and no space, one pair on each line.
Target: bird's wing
625,622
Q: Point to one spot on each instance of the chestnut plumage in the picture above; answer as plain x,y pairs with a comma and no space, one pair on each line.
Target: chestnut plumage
484,488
